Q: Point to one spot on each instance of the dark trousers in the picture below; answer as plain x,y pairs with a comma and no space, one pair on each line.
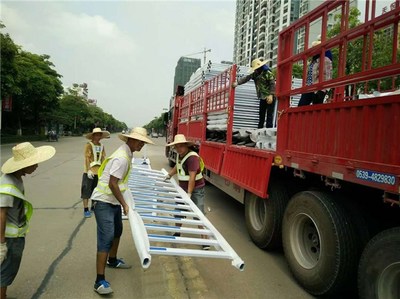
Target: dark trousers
310,97
266,109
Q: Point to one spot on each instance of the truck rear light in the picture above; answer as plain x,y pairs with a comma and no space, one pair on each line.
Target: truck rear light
278,161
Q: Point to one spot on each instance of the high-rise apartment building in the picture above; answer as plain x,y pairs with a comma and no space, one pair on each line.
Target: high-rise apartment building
184,69
258,23
257,27
315,27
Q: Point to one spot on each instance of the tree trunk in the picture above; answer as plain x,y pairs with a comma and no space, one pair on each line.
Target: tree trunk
19,130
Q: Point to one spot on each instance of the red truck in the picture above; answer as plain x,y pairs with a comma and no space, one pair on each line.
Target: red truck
328,191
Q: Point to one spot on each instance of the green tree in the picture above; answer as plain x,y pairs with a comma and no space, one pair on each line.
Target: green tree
8,71
73,112
78,116
382,56
95,117
40,88
297,71
37,94
381,52
157,124
354,48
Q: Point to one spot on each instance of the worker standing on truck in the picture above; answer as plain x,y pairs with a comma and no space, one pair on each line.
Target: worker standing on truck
264,80
313,78
190,176
108,197
94,155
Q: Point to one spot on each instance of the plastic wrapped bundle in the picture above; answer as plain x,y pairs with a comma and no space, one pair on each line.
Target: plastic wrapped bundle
205,73
246,103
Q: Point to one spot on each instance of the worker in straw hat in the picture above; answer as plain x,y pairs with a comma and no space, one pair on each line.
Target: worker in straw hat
188,167
264,80
313,71
108,197
15,210
94,154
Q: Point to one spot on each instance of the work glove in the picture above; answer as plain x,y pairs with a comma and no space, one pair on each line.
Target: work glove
167,177
269,99
90,174
234,84
3,252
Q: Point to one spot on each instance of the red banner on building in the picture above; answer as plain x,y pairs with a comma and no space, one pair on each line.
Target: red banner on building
7,104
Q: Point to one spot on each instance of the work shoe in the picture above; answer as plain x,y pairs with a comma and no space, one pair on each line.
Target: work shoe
119,264
206,247
87,214
103,287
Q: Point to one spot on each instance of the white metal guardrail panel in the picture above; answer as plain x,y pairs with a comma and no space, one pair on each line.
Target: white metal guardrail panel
157,206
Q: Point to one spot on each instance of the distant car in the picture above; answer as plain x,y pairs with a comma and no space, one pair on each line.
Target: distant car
123,131
154,135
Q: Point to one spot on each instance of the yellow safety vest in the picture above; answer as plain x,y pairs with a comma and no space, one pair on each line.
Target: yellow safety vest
103,187
182,176
13,230
96,160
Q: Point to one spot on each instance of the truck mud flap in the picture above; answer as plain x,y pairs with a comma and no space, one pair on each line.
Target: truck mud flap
212,154
248,168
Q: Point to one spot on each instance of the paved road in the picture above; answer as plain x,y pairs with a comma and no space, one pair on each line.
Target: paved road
59,257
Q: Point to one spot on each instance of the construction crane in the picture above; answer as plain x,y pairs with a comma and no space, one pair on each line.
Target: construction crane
202,52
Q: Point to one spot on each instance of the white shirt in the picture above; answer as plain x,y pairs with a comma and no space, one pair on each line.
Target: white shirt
7,201
16,211
117,167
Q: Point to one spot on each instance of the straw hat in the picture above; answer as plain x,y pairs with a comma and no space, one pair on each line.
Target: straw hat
315,43
25,154
105,134
180,138
257,63
136,133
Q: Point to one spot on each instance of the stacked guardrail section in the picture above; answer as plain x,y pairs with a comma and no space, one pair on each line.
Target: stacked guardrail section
246,107
157,206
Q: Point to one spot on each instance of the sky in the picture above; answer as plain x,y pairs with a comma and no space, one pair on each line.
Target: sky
126,51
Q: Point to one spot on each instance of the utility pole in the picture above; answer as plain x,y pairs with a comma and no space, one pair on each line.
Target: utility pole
205,53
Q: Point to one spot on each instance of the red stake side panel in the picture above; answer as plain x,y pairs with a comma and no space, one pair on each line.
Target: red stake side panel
184,108
248,168
351,139
183,128
195,130
191,113
345,140
195,125
218,92
197,101
212,153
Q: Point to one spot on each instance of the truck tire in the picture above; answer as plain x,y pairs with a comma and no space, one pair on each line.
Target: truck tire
379,270
169,154
320,243
171,160
358,216
264,216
